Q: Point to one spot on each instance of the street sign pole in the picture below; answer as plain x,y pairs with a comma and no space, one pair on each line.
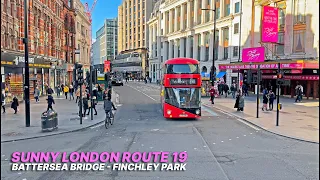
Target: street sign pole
91,94
26,60
258,89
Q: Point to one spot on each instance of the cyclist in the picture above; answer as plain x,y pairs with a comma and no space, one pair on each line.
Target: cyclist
108,105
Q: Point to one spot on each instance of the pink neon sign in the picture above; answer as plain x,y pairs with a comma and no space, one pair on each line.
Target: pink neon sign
270,24
253,54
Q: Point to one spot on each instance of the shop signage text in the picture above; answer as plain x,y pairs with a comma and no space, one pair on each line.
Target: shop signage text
263,66
288,77
253,54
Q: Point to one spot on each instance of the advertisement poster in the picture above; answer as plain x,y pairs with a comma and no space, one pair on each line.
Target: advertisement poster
270,24
106,66
253,54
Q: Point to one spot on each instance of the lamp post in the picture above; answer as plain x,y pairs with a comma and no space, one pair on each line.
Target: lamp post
239,44
26,62
214,42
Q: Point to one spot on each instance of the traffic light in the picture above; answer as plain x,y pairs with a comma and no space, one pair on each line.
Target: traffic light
80,73
247,76
88,77
280,77
94,76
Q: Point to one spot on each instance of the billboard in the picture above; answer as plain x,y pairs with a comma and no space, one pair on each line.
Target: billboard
270,24
253,54
106,66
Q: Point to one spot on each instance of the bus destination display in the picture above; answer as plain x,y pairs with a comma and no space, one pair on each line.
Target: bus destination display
183,81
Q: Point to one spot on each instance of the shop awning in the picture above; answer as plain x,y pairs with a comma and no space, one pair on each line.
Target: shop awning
221,74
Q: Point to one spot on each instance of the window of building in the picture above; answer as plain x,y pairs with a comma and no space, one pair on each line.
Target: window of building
299,37
237,7
236,28
235,51
217,12
279,48
299,11
227,8
225,52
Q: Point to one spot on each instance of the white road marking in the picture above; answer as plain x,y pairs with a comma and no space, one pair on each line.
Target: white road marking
142,145
230,139
119,105
134,142
244,135
222,141
142,93
237,137
154,129
255,128
213,143
204,146
195,148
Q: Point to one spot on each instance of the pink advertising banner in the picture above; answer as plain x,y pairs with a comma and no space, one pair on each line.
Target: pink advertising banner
253,54
262,66
270,24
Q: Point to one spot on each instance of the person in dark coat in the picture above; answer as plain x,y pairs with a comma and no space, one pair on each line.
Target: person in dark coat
212,93
240,102
3,101
15,104
236,105
226,89
271,99
50,102
265,102
85,104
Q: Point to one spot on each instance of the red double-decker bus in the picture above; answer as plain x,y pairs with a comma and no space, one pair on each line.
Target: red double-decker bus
181,88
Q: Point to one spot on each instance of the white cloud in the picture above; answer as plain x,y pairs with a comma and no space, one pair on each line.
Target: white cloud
93,40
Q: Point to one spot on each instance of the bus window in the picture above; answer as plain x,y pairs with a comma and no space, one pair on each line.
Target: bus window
182,69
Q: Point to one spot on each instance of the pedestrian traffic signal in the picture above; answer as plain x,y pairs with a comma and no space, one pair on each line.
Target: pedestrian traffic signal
80,76
88,77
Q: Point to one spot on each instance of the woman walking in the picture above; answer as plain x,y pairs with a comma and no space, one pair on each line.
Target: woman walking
58,91
265,102
241,102
271,99
212,94
3,101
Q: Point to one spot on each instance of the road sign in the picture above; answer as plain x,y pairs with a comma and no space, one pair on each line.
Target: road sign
77,51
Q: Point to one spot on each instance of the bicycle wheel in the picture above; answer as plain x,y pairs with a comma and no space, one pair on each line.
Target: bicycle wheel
107,123
111,118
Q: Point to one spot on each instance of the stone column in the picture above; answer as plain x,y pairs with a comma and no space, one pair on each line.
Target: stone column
150,41
165,51
189,18
188,53
154,41
176,19
170,49
203,48
195,46
175,48
211,55
170,22
165,23
196,12
182,48
182,22
220,48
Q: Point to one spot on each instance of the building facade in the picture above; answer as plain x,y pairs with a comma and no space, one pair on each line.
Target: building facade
83,35
133,16
47,44
187,31
96,52
106,45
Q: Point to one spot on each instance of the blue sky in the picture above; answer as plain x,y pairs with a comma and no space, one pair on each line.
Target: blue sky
103,9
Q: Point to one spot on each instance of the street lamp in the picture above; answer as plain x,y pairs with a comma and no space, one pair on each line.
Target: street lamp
239,44
212,77
26,62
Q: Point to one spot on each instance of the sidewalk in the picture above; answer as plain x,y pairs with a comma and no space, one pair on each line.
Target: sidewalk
13,125
296,120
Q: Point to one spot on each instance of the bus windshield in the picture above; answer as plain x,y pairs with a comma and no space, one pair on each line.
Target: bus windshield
182,69
183,97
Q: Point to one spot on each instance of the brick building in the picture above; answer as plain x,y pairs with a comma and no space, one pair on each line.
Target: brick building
51,44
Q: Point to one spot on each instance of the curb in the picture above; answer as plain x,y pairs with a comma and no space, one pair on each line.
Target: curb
59,133
290,137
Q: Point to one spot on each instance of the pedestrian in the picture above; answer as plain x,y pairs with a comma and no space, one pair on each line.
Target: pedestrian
299,92
49,90
3,101
15,104
241,102
212,94
245,90
71,91
233,90
265,101
220,89
50,101
58,90
105,94
236,105
36,94
78,95
226,89
66,90
271,99
85,105
93,106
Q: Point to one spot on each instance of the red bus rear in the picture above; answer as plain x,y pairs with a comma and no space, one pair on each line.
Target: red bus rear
181,88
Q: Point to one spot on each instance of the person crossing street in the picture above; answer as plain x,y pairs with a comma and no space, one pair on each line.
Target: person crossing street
66,90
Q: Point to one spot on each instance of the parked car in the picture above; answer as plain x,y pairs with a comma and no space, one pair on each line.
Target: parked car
117,81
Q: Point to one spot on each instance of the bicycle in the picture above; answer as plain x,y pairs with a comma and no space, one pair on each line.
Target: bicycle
109,119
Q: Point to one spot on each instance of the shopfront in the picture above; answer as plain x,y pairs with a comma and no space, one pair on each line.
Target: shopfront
304,72
13,72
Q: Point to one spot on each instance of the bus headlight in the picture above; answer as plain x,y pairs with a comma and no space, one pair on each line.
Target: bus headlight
168,112
197,111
